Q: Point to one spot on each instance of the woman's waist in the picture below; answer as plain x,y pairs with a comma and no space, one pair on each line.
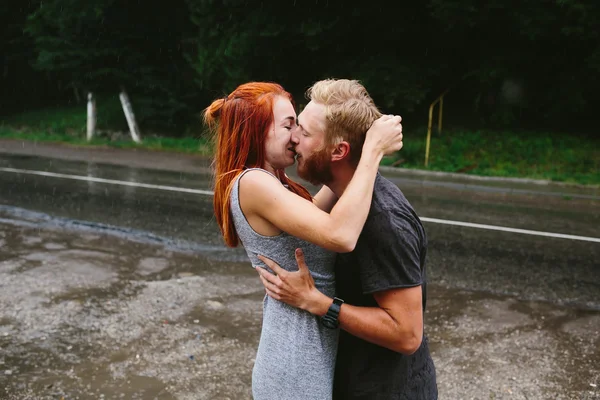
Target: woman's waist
325,284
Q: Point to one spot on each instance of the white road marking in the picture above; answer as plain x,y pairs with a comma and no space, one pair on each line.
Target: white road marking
210,193
108,181
513,230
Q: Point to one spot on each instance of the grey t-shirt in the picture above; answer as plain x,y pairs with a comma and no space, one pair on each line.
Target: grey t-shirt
295,359
390,253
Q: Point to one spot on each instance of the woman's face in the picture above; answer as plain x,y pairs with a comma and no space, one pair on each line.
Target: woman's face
279,147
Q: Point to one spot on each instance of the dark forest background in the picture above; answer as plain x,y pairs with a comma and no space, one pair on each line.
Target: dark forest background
532,65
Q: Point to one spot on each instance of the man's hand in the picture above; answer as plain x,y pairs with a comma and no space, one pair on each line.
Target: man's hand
294,288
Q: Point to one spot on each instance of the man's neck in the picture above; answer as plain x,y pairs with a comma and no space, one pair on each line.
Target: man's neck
341,178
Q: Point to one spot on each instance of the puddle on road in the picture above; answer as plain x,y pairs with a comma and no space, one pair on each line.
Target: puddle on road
84,315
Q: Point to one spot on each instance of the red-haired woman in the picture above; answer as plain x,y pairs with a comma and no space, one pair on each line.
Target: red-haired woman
255,203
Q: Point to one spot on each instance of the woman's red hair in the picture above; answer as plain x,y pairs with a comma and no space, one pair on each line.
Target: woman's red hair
241,122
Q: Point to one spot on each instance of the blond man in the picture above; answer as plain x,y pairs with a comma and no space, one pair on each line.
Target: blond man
381,285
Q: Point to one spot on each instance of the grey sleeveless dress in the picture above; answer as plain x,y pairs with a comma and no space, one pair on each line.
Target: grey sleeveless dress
296,353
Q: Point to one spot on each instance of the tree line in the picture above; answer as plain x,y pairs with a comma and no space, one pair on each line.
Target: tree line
532,64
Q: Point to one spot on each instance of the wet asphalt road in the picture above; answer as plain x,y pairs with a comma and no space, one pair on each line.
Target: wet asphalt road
530,267
83,265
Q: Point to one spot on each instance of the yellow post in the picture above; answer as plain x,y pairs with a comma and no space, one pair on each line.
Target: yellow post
440,114
441,101
429,133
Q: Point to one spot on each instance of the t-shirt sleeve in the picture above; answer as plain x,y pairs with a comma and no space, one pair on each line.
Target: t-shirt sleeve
389,254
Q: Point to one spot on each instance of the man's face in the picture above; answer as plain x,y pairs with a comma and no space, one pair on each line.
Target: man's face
313,156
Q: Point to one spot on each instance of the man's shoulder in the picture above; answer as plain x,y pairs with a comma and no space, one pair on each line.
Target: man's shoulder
387,195
389,202
391,213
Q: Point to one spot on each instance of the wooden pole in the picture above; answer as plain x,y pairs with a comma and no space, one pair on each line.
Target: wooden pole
429,124
441,111
91,116
429,133
128,110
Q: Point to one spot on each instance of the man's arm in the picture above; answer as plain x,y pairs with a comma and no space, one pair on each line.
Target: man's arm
396,324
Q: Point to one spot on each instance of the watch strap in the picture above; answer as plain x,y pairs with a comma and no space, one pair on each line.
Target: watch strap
330,319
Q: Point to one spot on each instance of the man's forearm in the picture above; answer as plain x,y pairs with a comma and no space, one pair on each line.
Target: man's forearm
375,325
397,322
372,324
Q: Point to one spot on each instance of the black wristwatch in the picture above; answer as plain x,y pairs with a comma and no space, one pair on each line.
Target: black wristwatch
330,320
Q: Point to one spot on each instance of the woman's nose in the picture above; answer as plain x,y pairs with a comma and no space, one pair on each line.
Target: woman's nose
295,138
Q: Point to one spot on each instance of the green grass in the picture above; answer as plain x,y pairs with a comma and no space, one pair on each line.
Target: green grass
70,119
550,156
68,125
181,145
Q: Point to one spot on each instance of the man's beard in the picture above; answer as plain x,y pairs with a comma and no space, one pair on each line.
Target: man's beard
316,169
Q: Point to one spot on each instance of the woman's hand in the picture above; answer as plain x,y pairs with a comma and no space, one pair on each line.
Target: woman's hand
385,135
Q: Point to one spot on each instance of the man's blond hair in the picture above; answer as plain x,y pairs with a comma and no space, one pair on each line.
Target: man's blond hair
349,112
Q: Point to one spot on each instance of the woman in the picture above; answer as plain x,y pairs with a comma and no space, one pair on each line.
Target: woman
257,204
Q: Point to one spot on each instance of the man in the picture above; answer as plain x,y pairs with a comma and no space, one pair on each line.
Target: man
381,285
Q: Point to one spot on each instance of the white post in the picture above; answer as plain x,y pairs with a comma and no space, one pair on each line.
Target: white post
91,116
128,110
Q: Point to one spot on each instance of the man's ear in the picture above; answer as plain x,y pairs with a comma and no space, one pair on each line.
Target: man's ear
340,151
